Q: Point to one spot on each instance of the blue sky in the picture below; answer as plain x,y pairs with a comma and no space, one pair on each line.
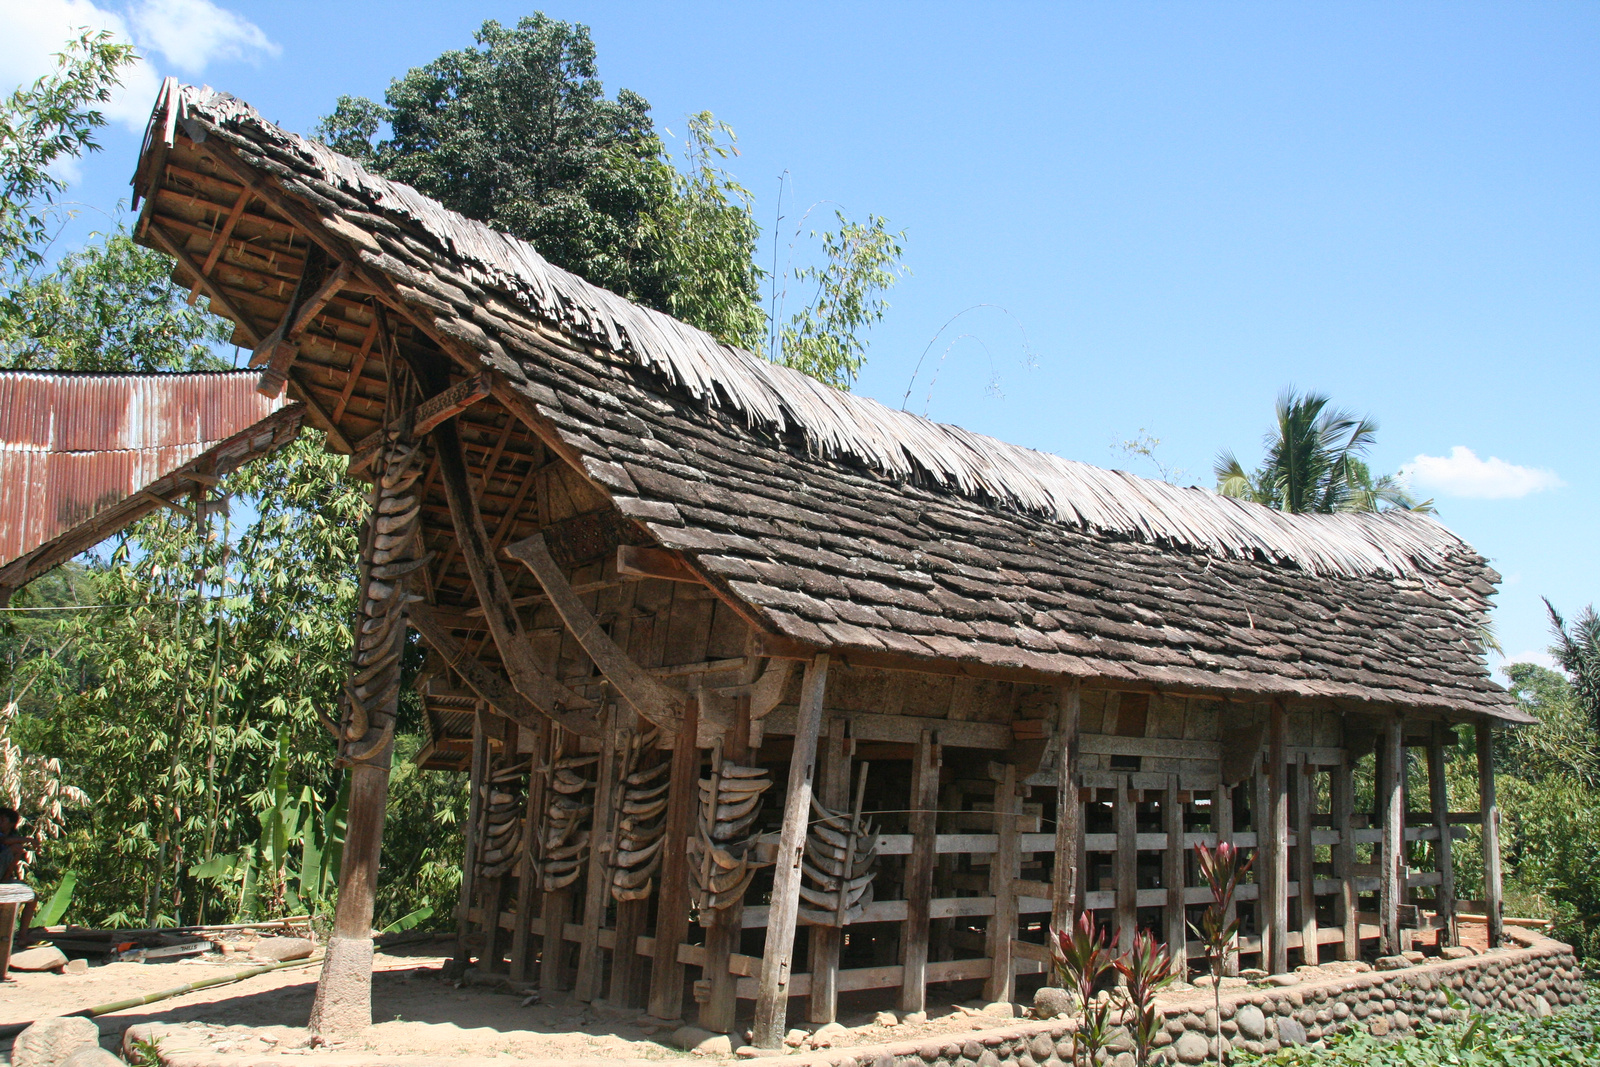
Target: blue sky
1172,211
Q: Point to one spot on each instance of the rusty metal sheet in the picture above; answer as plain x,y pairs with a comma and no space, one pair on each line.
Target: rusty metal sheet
74,448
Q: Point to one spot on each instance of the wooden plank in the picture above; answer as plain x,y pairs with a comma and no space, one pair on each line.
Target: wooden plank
672,907
1439,796
905,729
1172,878
1004,867
1494,905
652,699
923,823
220,302
1391,798
1125,865
1067,869
469,846
527,877
1157,747
1305,859
505,626
718,1011
1275,930
825,941
597,880
772,1001
647,561
1342,797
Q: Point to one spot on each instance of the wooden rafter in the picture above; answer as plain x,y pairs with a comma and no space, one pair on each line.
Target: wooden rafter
655,701
357,364
545,692
221,240
220,299
482,680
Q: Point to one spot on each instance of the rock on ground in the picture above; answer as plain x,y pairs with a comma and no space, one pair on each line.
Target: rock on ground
42,958
92,1056
49,1042
1192,1047
695,1039
1050,1002
1252,1024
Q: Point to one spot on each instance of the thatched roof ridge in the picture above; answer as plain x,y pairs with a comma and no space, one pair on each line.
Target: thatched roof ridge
855,429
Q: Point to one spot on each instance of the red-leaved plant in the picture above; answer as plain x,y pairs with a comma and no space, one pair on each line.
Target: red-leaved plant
1082,954
1222,868
1145,969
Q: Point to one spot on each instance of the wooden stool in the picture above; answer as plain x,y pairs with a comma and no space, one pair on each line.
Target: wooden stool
12,896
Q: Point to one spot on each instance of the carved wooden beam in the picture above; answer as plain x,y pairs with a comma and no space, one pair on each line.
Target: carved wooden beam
546,693
282,345
659,703
486,682
649,562
450,403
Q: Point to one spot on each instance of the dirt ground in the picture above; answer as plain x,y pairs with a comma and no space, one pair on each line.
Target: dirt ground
419,1017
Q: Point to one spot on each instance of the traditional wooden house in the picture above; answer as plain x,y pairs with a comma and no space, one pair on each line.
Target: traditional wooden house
777,692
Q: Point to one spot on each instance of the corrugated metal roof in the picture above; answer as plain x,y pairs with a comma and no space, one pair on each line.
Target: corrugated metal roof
77,449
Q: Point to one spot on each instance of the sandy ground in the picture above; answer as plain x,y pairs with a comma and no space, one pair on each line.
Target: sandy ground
418,1016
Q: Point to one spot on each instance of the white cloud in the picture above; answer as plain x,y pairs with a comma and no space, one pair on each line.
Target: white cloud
194,33
183,34
1462,473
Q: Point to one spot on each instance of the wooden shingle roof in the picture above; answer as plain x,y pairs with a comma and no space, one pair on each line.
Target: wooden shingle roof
838,523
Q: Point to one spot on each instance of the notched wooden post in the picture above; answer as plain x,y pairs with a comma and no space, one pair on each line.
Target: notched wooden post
772,990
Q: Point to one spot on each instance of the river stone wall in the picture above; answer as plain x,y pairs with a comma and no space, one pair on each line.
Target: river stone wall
1539,977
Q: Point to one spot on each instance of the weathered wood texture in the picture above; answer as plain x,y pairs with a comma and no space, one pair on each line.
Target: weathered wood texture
1489,814
919,872
772,1001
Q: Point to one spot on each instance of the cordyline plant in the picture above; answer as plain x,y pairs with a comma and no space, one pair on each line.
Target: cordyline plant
1082,954
1145,968
1222,868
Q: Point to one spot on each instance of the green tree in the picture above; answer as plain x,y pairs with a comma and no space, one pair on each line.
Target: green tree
1314,462
111,306
860,261
42,124
1577,649
518,133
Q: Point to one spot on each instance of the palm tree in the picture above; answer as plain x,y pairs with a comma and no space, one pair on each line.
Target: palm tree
1577,651
1314,463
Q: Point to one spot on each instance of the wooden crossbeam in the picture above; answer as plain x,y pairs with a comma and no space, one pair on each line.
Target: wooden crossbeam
450,403
654,700
219,299
545,692
221,242
642,561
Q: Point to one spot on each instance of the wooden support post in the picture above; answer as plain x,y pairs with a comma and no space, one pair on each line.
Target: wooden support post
1305,792
720,1009
1005,867
1173,870
597,880
554,911
924,827
1391,799
1126,862
1222,826
1489,813
477,775
13,896
1444,901
672,899
1066,875
1275,934
833,790
1342,795
489,893
772,988
526,878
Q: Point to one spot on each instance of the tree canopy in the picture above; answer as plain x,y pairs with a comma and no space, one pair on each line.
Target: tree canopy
1315,461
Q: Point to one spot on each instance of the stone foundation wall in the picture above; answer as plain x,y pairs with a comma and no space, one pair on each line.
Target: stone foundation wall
1539,977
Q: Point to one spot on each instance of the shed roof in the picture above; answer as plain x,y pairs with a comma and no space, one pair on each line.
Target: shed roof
841,523
82,455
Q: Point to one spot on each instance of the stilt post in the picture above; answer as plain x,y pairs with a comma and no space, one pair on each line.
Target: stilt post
1005,866
772,989
1275,934
1067,876
672,900
1489,813
1392,801
924,827
1444,901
